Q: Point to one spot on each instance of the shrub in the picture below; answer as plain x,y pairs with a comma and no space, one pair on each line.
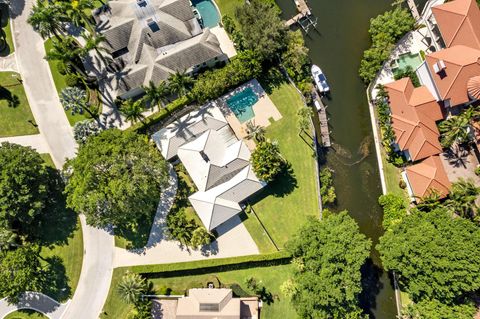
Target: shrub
477,170
408,72
267,162
83,129
71,80
62,68
394,209
327,190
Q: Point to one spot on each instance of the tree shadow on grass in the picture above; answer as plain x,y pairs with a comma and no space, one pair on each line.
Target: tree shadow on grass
12,99
271,80
56,280
57,222
371,286
136,235
283,185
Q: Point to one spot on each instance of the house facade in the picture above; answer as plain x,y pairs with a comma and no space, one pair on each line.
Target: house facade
152,39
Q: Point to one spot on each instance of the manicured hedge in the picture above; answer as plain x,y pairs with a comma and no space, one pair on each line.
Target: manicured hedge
160,115
212,265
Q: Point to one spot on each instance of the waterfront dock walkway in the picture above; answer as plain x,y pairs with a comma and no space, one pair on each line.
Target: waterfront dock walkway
322,116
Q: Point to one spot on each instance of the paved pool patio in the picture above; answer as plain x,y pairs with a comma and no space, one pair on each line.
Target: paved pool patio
265,111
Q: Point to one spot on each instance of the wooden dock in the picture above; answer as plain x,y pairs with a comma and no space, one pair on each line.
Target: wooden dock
322,116
304,17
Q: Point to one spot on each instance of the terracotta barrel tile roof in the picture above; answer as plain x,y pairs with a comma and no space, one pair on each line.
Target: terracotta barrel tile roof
459,22
427,176
473,87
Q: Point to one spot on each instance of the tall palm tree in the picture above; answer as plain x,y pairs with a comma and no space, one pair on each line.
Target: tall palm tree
462,198
255,132
429,202
457,128
68,52
132,111
180,83
76,12
46,19
156,94
131,288
93,42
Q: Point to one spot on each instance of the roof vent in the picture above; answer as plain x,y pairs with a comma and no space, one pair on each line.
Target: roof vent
152,24
439,66
142,3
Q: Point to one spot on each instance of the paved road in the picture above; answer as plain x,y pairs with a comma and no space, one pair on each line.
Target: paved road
37,142
97,268
36,301
39,87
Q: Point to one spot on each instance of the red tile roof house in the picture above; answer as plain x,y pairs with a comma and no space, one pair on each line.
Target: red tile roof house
450,78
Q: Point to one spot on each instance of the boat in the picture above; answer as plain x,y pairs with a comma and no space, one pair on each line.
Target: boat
320,79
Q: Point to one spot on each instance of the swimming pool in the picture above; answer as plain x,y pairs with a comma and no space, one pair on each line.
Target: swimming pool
409,59
242,104
208,11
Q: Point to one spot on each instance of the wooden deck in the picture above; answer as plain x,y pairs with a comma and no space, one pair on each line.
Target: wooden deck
322,116
303,11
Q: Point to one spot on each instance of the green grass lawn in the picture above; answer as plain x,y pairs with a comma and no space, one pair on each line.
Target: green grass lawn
25,314
14,118
5,25
227,7
287,202
270,277
47,159
60,84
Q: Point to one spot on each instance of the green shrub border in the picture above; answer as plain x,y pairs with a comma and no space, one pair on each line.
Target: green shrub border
160,115
212,265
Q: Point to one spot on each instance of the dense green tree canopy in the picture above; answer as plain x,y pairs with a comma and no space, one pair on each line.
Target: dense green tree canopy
267,162
433,309
434,255
262,29
23,187
295,58
116,178
394,209
20,271
328,254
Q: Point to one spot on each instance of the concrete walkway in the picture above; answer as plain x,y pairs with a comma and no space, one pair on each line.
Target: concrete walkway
39,87
8,63
36,301
37,142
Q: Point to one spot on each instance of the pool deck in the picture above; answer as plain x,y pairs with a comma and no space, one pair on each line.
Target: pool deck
264,111
225,43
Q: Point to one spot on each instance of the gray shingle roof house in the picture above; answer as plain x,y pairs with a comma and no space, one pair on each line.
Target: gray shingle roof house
153,39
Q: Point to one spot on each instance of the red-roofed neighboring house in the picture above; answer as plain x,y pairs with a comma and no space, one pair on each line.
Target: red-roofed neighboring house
451,69
425,177
459,23
414,112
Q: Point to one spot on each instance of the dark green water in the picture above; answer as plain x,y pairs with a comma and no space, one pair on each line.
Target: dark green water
337,47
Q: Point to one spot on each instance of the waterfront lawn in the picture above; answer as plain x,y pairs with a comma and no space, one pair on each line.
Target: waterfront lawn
16,118
25,314
227,7
5,25
285,204
270,277
60,84
393,178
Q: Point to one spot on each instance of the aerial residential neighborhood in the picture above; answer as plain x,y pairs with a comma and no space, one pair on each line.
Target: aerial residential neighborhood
168,159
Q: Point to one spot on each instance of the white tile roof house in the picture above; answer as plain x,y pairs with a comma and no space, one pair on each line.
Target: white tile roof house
217,162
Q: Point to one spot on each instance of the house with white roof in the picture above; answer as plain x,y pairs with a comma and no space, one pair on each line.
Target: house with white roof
217,162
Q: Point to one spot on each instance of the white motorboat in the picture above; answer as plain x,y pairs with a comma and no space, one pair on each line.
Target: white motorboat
320,79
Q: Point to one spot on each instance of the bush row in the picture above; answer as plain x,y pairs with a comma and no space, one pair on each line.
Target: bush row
212,265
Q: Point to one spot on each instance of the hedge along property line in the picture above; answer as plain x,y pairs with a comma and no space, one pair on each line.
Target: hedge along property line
160,115
212,265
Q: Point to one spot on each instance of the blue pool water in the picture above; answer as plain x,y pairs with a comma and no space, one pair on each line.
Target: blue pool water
208,11
242,103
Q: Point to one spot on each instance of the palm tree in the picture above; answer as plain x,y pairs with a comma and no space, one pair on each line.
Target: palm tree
255,132
430,201
76,12
180,82
132,111
46,19
156,95
461,199
68,52
457,128
93,42
131,288
304,118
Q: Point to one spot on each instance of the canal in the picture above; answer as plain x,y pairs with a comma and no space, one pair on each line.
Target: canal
337,47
